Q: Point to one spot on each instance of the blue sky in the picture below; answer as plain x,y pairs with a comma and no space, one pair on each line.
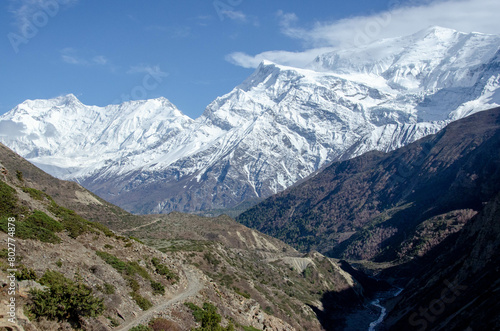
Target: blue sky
191,51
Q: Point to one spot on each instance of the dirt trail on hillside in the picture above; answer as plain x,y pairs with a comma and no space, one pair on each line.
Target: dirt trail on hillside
193,287
141,226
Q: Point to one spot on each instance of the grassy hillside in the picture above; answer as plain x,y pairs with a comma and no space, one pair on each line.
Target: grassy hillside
71,272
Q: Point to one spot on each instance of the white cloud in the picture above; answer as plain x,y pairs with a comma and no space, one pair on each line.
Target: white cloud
71,56
235,15
99,59
461,15
295,59
35,13
68,55
203,20
147,69
240,17
287,19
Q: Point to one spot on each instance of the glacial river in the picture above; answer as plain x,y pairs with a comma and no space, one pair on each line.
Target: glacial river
370,317
383,310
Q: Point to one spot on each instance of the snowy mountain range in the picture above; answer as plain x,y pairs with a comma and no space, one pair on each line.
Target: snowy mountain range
277,127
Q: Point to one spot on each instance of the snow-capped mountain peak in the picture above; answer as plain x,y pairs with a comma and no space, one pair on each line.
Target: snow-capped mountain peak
278,126
433,58
45,105
64,133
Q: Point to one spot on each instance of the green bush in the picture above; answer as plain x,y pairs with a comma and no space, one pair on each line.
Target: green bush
208,316
158,288
4,253
133,268
8,200
109,288
142,302
36,194
26,230
114,322
240,292
250,328
308,272
19,175
113,261
72,222
141,327
52,277
64,300
211,259
164,270
136,239
37,226
104,229
196,311
39,218
75,224
127,268
133,284
24,273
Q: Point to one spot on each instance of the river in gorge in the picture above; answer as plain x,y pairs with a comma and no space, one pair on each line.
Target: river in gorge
371,315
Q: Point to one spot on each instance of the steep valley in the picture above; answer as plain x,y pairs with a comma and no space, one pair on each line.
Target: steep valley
365,188
251,279
424,218
441,192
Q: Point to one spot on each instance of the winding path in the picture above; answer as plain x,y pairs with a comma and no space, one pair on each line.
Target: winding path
193,287
141,226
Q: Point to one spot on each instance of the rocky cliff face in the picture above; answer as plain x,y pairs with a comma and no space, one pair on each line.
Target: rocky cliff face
277,127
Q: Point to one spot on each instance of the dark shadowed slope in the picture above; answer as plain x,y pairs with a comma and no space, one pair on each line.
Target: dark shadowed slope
457,285
379,205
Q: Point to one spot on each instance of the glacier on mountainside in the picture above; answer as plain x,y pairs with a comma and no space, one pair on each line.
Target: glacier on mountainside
277,127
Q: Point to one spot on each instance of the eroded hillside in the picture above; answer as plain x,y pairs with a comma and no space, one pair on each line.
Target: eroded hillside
193,266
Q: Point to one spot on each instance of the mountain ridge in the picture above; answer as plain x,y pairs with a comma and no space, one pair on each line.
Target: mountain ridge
277,127
353,208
